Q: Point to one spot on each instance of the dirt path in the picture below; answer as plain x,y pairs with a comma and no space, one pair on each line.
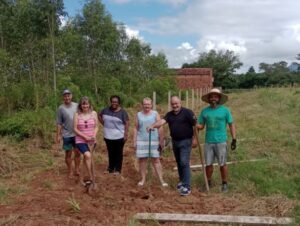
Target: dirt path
118,198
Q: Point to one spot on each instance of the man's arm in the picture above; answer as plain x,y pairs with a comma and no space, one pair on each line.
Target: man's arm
200,126
232,130
58,133
233,135
157,124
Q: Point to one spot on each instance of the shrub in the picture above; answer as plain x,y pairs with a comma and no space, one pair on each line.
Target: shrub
27,123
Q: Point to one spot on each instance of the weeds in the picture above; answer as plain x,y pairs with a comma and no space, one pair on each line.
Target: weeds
74,204
48,184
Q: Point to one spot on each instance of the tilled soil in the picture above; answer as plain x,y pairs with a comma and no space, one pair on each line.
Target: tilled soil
118,198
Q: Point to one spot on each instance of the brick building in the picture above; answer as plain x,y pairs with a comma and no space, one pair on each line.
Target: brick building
194,78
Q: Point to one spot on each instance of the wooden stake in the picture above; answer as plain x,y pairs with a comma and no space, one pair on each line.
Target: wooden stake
186,98
154,100
169,101
201,158
198,167
214,218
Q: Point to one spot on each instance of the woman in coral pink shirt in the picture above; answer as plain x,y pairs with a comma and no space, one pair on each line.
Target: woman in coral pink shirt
86,128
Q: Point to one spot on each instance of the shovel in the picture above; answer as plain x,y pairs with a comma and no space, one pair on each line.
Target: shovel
201,158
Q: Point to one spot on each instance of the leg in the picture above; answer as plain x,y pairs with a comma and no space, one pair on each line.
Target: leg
68,160
110,150
221,154
88,164
222,159
224,173
209,172
77,159
143,170
185,151
209,160
176,152
158,170
119,145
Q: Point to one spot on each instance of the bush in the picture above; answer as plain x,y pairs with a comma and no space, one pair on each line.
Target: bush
27,123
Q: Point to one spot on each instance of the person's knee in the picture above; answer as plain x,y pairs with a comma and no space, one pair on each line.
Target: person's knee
184,163
77,154
156,161
68,155
87,155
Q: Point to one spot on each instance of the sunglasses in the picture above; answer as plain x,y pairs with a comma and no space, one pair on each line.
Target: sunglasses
86,125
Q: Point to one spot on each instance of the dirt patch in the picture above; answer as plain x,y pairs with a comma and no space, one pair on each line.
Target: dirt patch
118,198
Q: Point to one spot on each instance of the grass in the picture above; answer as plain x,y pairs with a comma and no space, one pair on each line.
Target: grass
74,204
267,122
20,162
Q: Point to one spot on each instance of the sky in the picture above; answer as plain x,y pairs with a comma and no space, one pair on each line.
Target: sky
257,31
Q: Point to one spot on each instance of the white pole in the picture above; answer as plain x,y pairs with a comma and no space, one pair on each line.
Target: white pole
154,100
187,98
193,100
169,101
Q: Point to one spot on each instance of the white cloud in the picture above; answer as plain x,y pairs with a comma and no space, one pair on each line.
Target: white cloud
258,30
174,3
63,21
121,1
185,45
132,33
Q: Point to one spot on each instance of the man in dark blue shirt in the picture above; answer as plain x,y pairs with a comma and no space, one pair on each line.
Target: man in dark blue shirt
181,121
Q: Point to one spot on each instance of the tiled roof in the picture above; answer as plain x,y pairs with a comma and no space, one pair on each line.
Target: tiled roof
194,71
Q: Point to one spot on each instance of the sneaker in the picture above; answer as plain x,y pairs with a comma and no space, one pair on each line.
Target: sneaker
164,184
179,186
224,188
117,173
185,191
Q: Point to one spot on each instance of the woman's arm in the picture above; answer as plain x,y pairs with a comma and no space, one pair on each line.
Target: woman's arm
96,129
160,132
100,119
135,130
76,130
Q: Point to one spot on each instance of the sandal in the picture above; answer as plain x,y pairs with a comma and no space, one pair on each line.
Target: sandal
140,184
88,183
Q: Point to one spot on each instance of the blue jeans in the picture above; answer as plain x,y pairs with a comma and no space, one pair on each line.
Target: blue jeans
182,151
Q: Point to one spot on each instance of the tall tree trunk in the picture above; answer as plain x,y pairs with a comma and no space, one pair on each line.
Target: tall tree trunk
51,31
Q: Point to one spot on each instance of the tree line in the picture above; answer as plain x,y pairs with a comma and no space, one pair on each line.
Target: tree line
91,55
225,64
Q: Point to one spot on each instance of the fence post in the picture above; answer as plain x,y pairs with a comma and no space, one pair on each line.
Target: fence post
169,101
193,100
200,96
187,98
154,100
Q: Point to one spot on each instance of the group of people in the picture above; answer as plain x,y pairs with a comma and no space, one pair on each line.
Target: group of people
78,125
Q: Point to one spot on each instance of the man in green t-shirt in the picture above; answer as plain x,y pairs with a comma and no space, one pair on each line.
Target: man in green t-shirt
215,118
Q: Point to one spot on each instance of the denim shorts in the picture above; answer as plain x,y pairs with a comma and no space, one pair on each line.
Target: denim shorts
69,143
82,147
215,150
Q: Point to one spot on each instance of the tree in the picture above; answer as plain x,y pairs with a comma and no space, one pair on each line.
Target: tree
224,64
276,73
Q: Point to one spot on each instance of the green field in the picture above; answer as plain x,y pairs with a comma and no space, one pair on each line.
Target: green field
268,129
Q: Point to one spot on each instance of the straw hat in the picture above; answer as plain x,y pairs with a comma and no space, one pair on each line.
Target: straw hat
223,97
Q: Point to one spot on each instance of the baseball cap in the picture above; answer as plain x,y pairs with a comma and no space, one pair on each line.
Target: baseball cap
66,91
